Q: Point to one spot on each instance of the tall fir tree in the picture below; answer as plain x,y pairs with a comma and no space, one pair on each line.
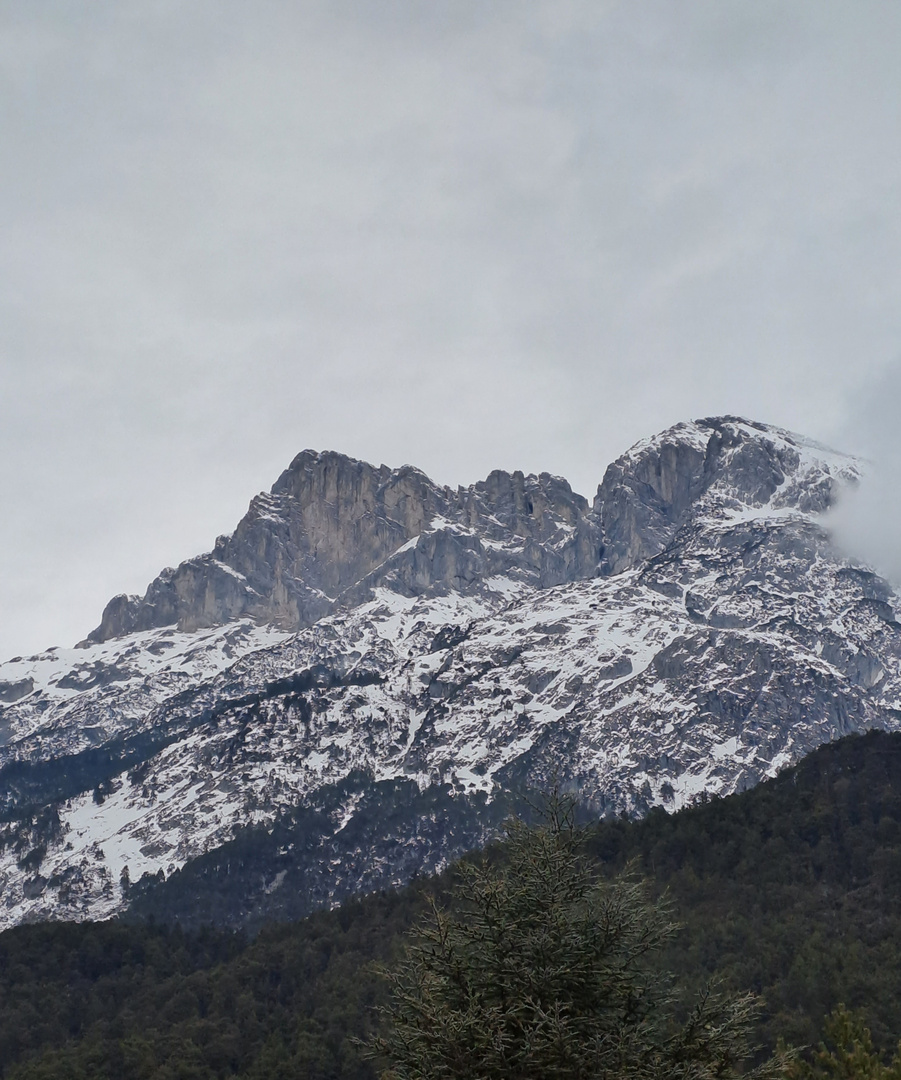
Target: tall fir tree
847,1053
539,971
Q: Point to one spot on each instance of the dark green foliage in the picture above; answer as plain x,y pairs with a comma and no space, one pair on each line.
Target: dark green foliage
846,1054
792,890
542,971
114,1002
58,981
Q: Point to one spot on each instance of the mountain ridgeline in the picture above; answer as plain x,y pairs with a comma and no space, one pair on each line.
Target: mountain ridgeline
332,529
358,684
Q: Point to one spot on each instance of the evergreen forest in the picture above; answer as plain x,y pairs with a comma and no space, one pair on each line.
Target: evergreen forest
791,890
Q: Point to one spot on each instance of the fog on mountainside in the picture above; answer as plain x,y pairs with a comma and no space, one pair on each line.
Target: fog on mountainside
866,520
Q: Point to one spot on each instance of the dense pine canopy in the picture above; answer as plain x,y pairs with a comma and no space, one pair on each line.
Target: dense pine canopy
540,970
790,890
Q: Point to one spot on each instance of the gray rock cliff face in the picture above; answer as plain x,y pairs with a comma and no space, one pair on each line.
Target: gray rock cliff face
649,492
332,529
396,659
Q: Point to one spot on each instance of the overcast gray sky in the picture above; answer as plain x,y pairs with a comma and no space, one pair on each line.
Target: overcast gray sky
462,234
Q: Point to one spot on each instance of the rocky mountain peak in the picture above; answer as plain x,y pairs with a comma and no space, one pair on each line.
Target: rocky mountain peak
372,663
333,528
716,465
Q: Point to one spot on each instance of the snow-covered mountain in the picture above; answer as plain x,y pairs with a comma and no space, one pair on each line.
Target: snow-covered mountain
347,690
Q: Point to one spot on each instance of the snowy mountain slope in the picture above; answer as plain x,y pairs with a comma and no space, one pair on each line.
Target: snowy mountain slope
72,699
718,637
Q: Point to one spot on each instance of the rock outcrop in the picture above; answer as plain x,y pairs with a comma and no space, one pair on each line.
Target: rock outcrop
649,492
332,529
693,630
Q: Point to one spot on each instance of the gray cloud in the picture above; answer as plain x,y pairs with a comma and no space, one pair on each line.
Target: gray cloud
465,235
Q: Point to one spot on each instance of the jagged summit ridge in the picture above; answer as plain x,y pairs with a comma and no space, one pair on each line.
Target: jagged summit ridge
332,528
693,629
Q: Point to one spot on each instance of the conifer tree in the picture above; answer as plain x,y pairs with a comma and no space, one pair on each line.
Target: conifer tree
847,1053
538,971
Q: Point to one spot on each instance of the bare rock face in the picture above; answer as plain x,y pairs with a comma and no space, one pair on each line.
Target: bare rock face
327,522
694,630
14,690
645,494
717,463
332,529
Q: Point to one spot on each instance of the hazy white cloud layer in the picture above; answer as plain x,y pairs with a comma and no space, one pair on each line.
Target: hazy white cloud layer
867,521
464,234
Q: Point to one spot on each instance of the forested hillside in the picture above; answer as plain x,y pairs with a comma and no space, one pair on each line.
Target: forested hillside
790,889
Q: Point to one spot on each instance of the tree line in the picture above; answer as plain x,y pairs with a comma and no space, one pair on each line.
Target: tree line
790,891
